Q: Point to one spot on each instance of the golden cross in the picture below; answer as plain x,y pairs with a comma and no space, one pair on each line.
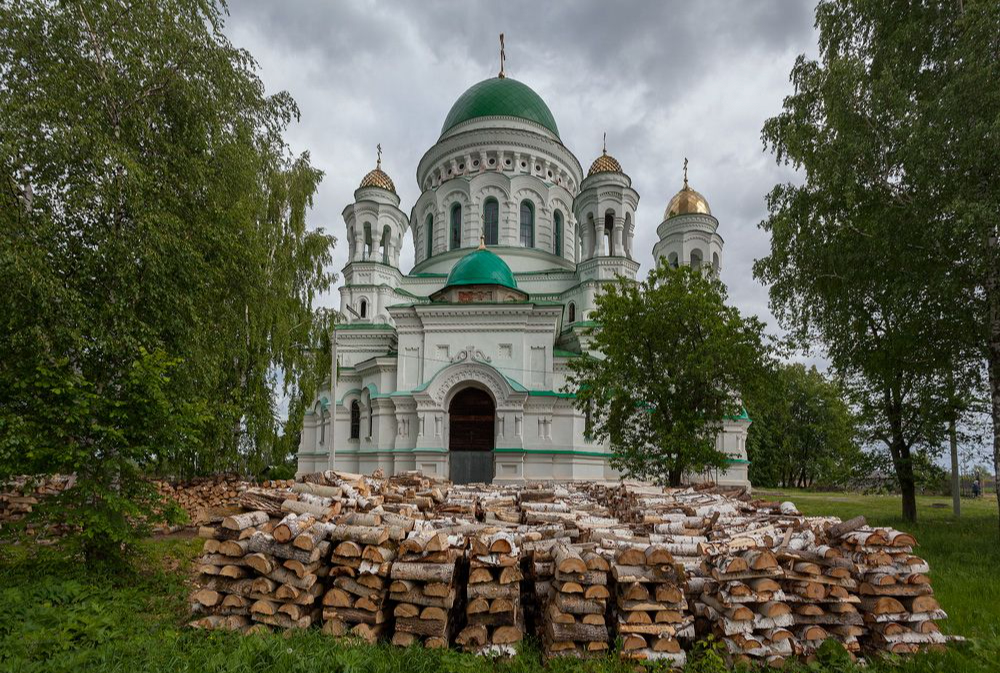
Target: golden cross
502,57
379,148
605,150
685,172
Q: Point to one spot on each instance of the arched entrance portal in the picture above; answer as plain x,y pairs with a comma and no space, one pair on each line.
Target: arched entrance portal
471,434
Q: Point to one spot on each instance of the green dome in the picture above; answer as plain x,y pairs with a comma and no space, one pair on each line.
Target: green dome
500,97
481,267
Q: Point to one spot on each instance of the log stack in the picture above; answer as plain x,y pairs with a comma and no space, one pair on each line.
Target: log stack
743,605
364,547
651,608
494,619
425,588
255,571
897,600
575,616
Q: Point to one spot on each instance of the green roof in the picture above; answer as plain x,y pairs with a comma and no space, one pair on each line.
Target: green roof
498,97
481,267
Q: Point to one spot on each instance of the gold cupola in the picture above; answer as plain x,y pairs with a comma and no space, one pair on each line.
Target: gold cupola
377,177
687,201
605,163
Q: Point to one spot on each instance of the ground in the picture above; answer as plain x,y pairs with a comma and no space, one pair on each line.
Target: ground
59,616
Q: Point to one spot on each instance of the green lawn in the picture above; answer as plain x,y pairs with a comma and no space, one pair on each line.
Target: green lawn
59,616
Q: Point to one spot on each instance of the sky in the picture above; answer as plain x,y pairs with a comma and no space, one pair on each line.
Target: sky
665,80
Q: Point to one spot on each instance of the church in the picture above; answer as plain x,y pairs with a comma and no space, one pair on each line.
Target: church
457,367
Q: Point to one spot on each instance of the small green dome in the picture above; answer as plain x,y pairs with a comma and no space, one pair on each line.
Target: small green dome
481,267
500,97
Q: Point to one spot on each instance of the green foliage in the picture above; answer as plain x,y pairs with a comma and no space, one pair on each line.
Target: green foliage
673,358
158,273
871,254
803,431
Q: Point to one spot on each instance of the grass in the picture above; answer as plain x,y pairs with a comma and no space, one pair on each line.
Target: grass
58,616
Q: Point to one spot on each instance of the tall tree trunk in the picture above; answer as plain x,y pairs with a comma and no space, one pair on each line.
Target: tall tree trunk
903,463
956,496
993,347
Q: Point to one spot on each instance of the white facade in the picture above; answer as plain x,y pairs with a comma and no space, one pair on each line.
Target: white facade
404,356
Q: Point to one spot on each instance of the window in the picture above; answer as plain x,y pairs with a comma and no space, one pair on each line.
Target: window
491,221
672,260
558,233
609,228
527,224
363,308
696,258
371,419
430,236
456,226
386,238
322,427
355,420
572,312
368,241
588,421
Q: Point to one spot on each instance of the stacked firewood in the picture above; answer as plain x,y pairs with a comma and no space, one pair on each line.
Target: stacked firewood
365,545
270,574
204,498
743,605
652,611
575,619
494,618
425,589
817,584
20,495
897,601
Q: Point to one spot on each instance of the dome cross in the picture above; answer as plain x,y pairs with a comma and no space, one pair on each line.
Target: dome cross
503,56
685,172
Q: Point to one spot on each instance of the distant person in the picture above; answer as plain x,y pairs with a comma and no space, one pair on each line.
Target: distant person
976,488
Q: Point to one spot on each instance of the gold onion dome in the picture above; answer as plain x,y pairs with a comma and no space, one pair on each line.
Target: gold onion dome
605,164
687,201
377,177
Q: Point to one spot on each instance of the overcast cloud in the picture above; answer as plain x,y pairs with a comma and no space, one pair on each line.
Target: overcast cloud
665,80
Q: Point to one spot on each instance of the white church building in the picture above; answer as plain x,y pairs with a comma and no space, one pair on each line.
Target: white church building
457,367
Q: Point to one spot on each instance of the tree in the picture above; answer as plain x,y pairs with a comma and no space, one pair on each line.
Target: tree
158,273
671,360
803,431
865,255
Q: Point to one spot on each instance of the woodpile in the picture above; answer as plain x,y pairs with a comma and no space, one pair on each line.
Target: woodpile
206,499
364,547
575,614
898,606
20,495
650,603
257,572
494,619
426,578
416,560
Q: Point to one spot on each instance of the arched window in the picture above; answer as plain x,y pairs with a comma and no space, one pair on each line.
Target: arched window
363,308
527,224
355,420
368,241
557,225
609,228
386,239
430,236
371,418
491,221
456,226
716,264
322,426
672,260
696,258
572,312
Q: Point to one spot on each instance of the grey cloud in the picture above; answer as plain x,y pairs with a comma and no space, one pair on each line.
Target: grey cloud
664,79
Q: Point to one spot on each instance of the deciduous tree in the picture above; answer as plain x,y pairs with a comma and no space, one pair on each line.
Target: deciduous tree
671,361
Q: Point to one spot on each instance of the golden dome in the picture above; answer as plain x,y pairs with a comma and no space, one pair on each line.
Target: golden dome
377,177
605,164
687,201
